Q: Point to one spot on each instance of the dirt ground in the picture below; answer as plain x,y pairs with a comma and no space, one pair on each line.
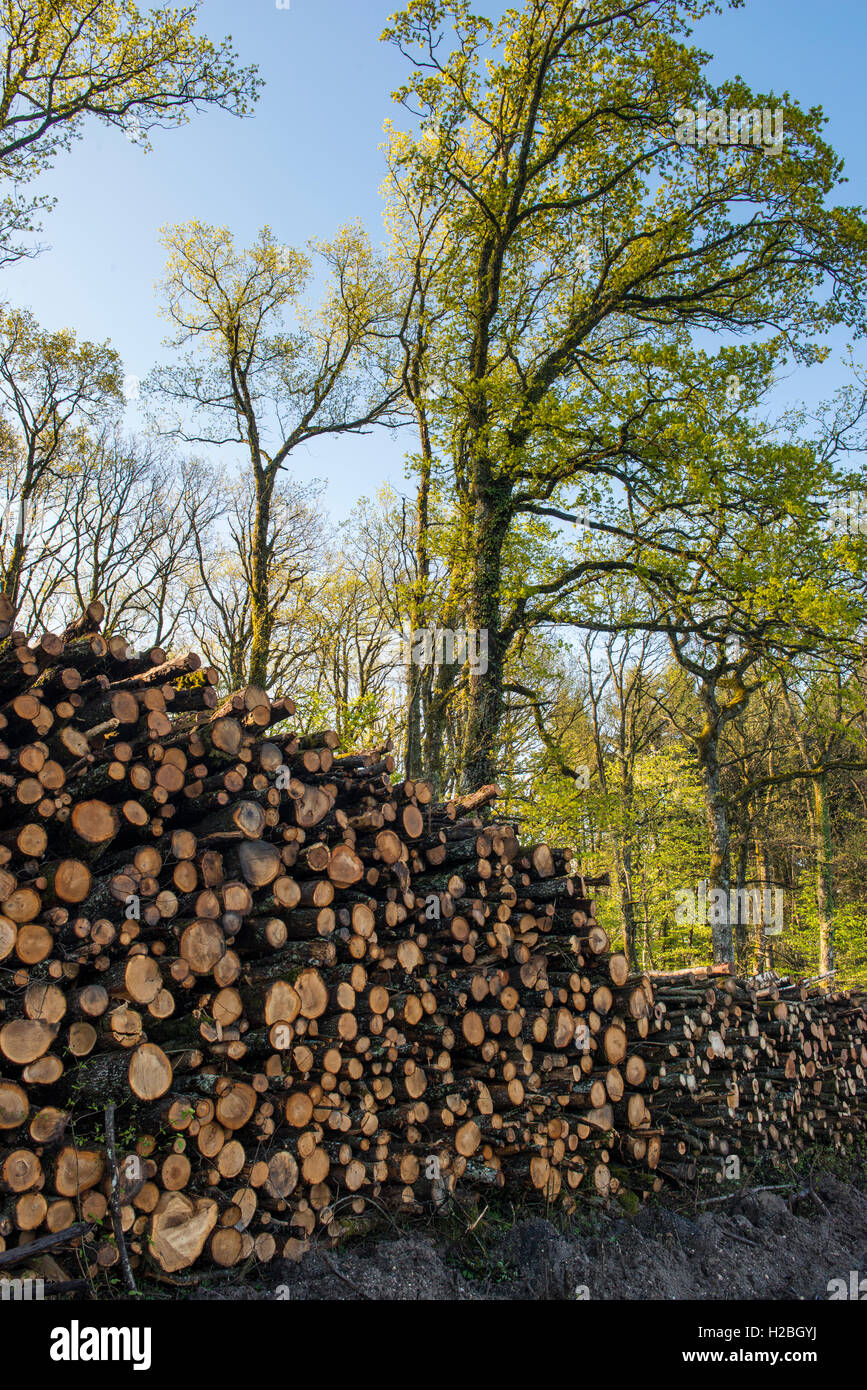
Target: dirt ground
784,1244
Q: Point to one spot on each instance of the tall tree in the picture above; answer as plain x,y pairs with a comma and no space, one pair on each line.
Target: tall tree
115,521
223,620
614,696
587,246
51,385
248,380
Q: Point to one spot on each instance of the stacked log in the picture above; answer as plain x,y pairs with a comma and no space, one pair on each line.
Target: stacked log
746,1069
302,995
309,991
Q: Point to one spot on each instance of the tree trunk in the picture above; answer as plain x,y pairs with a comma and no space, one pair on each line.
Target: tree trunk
262,619
763,951
436,695
820,833
707,746
623,882
623,851
416,675
15,568
413,754
485,694
823,854
741,879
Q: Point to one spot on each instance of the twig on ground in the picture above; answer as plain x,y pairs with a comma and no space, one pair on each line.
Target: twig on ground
334,1270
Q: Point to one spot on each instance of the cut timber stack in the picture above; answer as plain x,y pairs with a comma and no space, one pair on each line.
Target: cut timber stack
747,1068
311,995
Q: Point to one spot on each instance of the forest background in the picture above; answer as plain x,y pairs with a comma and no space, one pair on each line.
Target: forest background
600,385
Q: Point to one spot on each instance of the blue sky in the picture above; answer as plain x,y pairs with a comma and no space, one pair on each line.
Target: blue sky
309,160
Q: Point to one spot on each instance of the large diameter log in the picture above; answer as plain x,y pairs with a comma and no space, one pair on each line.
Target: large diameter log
236,1105
285,893
22,905
88,621
76,1170
312,807
202,945
25,1039
48,1125
279,1002
242,818
14,1105
602,1118
282,1175
260,862
8,936
312,992
138,979
179,1228
222,738
94,822
45,1002
344,868
69,880
150,1072
615,1043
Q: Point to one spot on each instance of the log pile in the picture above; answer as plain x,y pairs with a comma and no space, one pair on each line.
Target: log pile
743,1069
310,992
312,997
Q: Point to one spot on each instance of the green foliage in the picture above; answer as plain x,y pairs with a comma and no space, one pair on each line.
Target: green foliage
106,61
